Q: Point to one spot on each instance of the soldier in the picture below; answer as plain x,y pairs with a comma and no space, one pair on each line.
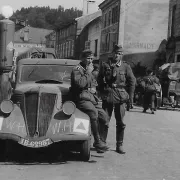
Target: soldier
114,75
130,91
150,91
83,86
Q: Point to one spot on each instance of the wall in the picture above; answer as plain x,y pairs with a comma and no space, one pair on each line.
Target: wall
145,26
94,33
65,39
110,27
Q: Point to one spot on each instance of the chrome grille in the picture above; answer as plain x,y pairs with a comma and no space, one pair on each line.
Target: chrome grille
36,118
31,107
46,107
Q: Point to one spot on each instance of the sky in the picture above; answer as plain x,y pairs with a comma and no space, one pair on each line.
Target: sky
18,4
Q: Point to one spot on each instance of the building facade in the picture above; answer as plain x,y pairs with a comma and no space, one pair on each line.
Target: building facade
65,40
109,27
90,37
139,26
51,40
28,37
173,45
72,38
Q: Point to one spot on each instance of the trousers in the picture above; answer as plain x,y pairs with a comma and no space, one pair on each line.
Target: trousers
149,100
95,112
119,113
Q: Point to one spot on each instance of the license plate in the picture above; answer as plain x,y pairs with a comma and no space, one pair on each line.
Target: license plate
35,144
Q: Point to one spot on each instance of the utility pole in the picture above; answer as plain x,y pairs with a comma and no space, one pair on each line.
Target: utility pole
122,15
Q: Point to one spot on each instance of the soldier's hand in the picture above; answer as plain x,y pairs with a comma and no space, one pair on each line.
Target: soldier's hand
90,68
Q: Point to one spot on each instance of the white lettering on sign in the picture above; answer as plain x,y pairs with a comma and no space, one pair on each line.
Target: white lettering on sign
35,144
139,45
81,126
10,124
1,122
19,127
62,126
54,128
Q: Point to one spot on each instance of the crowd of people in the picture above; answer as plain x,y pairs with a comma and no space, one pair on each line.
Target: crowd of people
98,90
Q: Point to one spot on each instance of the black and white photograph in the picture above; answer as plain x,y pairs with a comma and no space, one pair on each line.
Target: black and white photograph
90,90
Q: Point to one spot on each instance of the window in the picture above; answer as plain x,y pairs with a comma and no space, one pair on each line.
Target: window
87,44
178,58
69,53
105,20
96,46
173,20
107,40
109,18
115,14
67,45
72,48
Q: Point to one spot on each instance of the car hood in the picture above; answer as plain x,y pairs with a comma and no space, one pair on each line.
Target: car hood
52,88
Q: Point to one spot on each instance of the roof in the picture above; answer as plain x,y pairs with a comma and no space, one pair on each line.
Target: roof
84,20
68,62
35,35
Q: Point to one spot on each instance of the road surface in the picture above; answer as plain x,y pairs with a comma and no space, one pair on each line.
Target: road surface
152,144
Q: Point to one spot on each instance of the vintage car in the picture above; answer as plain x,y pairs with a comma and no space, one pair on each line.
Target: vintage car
40,111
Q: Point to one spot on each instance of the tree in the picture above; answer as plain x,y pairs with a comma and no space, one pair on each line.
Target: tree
45,17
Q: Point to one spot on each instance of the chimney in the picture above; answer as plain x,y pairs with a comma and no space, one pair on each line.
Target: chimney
90,6
26,34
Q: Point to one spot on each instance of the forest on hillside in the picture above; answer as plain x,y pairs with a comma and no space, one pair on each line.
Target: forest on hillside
46,17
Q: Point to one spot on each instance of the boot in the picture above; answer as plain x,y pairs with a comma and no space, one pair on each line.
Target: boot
103,131
119,140
98,144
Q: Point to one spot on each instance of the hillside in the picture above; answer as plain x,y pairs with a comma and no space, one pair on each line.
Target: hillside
45,17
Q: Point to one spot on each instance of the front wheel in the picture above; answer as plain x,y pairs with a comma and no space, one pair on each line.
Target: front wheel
85,150
2,150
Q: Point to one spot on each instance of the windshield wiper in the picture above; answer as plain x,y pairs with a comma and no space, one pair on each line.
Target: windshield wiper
33,69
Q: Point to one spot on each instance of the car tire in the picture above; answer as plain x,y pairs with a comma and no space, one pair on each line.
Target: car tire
85,150
2,150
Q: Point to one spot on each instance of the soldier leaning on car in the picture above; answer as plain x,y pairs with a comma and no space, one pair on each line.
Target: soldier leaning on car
83,86
113,77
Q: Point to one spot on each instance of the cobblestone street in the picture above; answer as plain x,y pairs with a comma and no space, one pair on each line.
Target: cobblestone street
152,144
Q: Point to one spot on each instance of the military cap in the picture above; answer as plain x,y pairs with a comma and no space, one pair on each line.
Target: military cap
87,53
118,48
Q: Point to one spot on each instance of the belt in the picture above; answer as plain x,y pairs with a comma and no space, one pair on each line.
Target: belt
117,86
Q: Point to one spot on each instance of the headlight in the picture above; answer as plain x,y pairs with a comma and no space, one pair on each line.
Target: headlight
7,106
68,107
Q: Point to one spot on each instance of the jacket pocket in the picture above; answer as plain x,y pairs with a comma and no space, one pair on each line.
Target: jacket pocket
87,96
123,95
122,76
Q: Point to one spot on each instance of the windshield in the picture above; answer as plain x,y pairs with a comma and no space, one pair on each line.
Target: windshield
41,72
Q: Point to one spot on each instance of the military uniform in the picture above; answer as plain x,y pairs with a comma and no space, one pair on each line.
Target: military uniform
113,79
150,96
83,86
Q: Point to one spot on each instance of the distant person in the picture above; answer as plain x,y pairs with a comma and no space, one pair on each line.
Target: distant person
150,99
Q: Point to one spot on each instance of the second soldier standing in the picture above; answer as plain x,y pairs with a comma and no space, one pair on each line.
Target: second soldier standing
114,76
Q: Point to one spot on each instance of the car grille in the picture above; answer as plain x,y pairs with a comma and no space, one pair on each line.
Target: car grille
37,111
46,108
